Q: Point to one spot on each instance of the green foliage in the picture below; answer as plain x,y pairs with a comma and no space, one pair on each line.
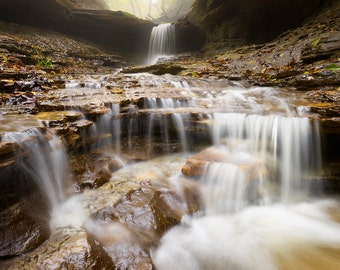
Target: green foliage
4,58
332,67
44,62
315,42
41,60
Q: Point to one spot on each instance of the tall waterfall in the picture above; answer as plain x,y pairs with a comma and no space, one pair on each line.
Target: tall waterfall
162,42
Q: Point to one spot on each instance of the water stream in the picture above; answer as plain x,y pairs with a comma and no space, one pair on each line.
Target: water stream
45,159
162,42
262,206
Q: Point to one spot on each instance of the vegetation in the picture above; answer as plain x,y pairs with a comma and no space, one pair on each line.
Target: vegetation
41,60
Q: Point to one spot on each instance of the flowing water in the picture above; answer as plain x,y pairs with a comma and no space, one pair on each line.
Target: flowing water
162,42
45,160
262,208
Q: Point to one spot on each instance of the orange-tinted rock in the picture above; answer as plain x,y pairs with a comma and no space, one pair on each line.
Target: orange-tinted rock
195,165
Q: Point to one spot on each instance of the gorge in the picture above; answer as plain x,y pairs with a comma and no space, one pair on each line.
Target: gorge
227,157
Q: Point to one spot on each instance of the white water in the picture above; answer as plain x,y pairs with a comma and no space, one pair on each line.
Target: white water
255,239
259,209
47,162
277,156
259,213
162,42
163,113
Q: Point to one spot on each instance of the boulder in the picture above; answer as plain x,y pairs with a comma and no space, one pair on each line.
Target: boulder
20,231
127,249
133,224
92,170
195,165
145,209
67,248
23,213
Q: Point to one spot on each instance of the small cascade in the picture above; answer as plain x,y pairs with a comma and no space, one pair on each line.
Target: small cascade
47,162
256,200
162,42
164,116
262,152
260,209
108,128
160,121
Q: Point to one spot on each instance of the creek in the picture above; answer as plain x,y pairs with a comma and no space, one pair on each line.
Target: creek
261,200
138,171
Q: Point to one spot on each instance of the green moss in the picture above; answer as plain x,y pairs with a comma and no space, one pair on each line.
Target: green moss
315,42
332,67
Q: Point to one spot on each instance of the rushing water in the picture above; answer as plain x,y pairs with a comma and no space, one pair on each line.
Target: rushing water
46,162
259,209
260,205
162,42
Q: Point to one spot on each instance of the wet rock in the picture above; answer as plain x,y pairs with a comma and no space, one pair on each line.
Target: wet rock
127,249
188,37
93,4
92,170
158,69
91,101
234,23
195,165
20,231
154,208
326,103
82,124
133,224
144,209
67,248
308,81
7,153
331,124
91,179
330,178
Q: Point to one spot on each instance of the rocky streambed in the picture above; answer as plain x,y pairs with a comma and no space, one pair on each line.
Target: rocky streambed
112,135
119,135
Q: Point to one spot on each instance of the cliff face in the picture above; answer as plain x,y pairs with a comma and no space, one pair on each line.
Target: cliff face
214,23
112,31
237,23
84,4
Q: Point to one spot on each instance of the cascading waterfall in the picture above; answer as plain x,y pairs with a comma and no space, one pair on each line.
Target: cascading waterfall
47,163
259,209
161,117
262,151
162,42
109,126
165,112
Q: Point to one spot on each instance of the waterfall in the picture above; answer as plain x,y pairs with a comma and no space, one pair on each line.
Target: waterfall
162,42
166,118
260,211
47,162
261,152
